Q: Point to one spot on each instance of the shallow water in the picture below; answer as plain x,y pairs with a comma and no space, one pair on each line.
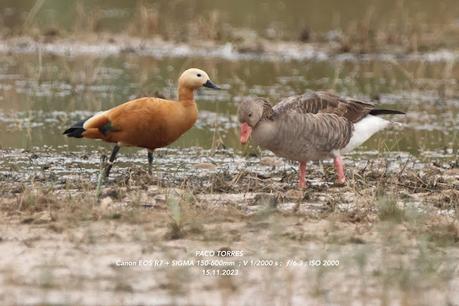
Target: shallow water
41,95
46,86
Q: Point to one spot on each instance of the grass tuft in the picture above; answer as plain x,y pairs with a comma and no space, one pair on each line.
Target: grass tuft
175,226
389,211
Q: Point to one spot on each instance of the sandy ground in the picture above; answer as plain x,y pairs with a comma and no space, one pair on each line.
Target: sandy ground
379,240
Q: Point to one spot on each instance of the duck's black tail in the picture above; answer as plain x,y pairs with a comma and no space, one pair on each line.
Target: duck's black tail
76,130
377,112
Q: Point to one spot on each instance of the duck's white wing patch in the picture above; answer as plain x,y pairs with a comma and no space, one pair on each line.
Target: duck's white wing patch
363,130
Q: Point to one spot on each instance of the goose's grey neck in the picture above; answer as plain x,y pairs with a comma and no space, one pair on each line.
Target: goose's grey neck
265,134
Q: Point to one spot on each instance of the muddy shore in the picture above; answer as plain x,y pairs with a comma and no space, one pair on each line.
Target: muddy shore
56,234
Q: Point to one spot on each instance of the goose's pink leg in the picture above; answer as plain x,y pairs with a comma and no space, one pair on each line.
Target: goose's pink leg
339,167
301,175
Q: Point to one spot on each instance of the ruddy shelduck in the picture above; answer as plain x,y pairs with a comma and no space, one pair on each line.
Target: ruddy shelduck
149,122
313,126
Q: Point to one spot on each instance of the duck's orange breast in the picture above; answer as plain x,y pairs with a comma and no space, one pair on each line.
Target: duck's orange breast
147,122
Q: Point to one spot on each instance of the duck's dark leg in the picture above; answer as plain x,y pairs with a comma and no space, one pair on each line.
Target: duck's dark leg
112,158
301,175
150,161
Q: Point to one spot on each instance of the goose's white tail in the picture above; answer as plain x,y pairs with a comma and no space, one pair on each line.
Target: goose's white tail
363,130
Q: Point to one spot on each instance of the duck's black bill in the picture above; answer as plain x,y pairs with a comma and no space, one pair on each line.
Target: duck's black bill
209,84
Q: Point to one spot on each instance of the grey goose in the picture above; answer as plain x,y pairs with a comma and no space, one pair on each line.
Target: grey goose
313,126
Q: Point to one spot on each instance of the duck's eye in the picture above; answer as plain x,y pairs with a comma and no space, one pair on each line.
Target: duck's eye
199,75
250,115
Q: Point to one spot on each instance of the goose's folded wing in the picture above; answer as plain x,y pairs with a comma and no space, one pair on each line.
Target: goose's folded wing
325,102
322,132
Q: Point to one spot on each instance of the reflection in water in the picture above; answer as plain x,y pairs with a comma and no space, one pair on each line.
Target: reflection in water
39,100
41,94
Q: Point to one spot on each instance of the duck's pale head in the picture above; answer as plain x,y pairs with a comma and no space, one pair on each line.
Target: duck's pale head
195,78
250,112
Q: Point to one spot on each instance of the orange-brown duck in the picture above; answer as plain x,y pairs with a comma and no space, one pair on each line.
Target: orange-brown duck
148,123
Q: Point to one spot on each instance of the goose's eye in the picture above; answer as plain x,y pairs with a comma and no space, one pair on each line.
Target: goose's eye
250,115
199,75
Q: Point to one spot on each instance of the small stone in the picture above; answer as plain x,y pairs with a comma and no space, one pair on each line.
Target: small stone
45,217
106,202
269,161
265,199
294,194
206,166
153,189
40,218
453,172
